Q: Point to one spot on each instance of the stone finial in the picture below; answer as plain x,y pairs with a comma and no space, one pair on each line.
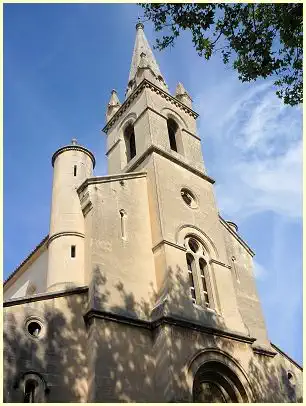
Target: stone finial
139,25
74,141
182,95
113,105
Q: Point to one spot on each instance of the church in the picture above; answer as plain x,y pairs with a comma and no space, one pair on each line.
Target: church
141,291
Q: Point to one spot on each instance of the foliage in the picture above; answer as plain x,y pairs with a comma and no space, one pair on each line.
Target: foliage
260,40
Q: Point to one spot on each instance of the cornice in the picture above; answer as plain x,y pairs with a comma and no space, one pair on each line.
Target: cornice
110,178
235,235
264,351
149,85
214,261
165,154
166,242
74,148
45,296
165,320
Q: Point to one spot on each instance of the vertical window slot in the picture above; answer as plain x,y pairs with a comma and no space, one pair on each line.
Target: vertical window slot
74,170
202,264
123,224
190,276
73,251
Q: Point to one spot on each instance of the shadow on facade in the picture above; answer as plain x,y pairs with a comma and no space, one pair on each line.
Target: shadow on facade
135,352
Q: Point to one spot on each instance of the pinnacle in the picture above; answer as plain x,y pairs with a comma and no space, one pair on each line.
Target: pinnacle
114,100
143,57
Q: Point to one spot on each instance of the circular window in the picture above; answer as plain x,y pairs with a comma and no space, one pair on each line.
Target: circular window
189,198
34,328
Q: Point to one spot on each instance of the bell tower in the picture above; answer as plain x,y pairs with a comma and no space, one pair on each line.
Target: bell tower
155,132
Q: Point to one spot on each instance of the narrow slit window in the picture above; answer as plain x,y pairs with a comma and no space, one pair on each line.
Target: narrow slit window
123,225
29,391
73,251
203,264
172,130
190,276
130,142
74,170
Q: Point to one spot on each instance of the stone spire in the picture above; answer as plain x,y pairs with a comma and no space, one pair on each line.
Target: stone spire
113,105
182,95
143,63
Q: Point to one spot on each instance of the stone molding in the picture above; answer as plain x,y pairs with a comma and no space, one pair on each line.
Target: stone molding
45,296
206,355
264,351
214,261
74,148
239,239
110,178
166,242
64,234
192,134
165,154
165,320
112,147
149,85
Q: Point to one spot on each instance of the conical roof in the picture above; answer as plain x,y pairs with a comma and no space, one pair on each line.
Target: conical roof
142,47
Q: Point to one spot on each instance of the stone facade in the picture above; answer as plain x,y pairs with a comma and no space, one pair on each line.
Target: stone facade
141,292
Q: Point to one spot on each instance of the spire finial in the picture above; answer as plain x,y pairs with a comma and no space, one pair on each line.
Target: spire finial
74,141
139,25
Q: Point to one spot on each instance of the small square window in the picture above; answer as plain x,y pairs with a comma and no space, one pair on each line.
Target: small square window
73,251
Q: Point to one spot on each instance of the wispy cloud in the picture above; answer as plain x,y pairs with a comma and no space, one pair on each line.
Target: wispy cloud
259,140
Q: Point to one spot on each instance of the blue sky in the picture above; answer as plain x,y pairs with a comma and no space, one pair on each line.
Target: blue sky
61,62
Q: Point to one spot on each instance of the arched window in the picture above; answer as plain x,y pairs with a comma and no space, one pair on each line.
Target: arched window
34,388
198,276
130,143
30,387
190,264
172,132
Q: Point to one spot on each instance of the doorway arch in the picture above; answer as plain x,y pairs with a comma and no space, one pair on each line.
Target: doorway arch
215,377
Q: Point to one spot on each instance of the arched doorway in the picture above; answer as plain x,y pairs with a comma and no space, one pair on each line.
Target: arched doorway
216,377
217,383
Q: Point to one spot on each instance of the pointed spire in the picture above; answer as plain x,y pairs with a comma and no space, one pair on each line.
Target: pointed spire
182,95
113,105
143,58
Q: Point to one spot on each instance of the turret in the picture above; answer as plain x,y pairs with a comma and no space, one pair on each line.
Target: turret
72,165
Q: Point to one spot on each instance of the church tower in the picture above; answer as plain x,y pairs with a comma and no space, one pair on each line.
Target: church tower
143,292
156,132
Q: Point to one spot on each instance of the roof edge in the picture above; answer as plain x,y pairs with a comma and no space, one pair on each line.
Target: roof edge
20,266
287,356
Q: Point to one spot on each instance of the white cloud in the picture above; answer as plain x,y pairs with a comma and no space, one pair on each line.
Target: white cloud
259,150
259,271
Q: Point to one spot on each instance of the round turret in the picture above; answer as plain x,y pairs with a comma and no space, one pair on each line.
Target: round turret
72,165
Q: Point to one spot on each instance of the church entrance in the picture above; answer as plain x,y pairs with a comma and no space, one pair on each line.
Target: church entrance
215,382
